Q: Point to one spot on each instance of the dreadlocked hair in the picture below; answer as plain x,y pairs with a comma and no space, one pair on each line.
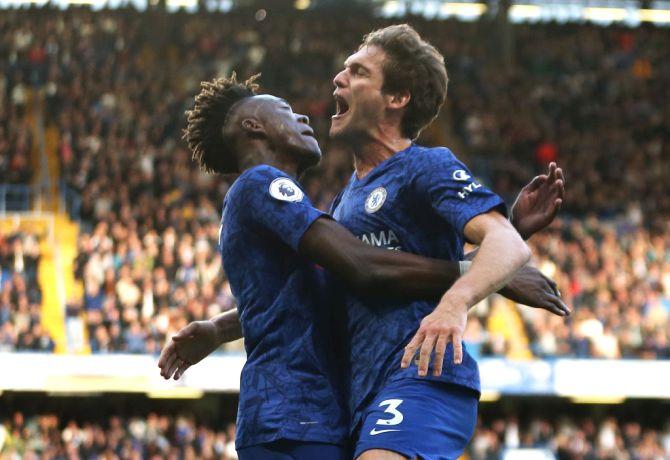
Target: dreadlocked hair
205,121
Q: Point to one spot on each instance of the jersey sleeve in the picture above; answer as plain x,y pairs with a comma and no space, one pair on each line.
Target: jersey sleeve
275,202
453,192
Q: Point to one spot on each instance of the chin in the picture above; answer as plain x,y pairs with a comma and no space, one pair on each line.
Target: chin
309,161
314,154
337,132
310,155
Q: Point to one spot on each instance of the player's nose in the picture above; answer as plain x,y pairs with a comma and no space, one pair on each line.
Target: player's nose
340,79
302,118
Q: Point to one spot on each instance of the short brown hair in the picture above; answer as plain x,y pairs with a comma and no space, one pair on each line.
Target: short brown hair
205,121
413,65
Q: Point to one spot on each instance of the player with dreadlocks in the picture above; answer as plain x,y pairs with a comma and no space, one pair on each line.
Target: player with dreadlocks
271,237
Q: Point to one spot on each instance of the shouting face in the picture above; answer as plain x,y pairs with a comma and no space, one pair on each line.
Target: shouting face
360,103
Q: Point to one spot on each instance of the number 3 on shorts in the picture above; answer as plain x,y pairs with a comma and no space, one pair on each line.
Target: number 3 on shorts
393,410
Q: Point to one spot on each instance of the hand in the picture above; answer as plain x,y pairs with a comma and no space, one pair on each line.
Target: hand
447,322
530,287
187,347
538,202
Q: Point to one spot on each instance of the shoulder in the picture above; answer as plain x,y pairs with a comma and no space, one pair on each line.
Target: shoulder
425,157
436,164
260,174
264,182
260,179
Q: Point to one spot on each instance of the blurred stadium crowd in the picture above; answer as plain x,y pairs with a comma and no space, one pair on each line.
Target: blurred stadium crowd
183,437
571,438
593,99
151,437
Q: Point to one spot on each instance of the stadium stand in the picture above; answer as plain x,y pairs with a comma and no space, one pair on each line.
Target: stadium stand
183,436
147,251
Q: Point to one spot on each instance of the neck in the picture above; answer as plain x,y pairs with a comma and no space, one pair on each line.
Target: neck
374,150
258,155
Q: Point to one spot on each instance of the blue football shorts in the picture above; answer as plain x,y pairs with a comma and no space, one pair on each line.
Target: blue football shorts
285,449
419,419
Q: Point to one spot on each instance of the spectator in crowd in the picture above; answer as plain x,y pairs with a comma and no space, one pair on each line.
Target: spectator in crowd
21,296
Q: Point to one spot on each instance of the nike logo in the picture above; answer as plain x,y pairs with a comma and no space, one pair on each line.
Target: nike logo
376,431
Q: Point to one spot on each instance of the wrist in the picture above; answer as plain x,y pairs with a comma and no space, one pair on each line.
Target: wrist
456,298
219,330
515,221
524,235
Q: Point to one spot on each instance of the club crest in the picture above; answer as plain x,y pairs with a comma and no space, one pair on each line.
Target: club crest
375,200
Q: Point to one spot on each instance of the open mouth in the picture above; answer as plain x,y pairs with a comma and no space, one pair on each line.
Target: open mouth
341,107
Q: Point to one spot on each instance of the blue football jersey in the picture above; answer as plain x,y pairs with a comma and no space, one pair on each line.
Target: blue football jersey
289,386
419,200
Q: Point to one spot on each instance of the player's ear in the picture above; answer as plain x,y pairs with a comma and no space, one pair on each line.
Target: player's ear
253,127
397,100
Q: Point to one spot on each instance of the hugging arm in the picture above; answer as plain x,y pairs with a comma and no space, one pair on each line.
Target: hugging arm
375,271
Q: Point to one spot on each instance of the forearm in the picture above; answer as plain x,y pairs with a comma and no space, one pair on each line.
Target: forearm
399,274
500,254
516,285
228,326
375,271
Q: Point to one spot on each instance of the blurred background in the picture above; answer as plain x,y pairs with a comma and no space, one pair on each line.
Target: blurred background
108,231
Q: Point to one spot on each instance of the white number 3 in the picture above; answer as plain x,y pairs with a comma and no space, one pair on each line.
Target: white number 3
393,410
